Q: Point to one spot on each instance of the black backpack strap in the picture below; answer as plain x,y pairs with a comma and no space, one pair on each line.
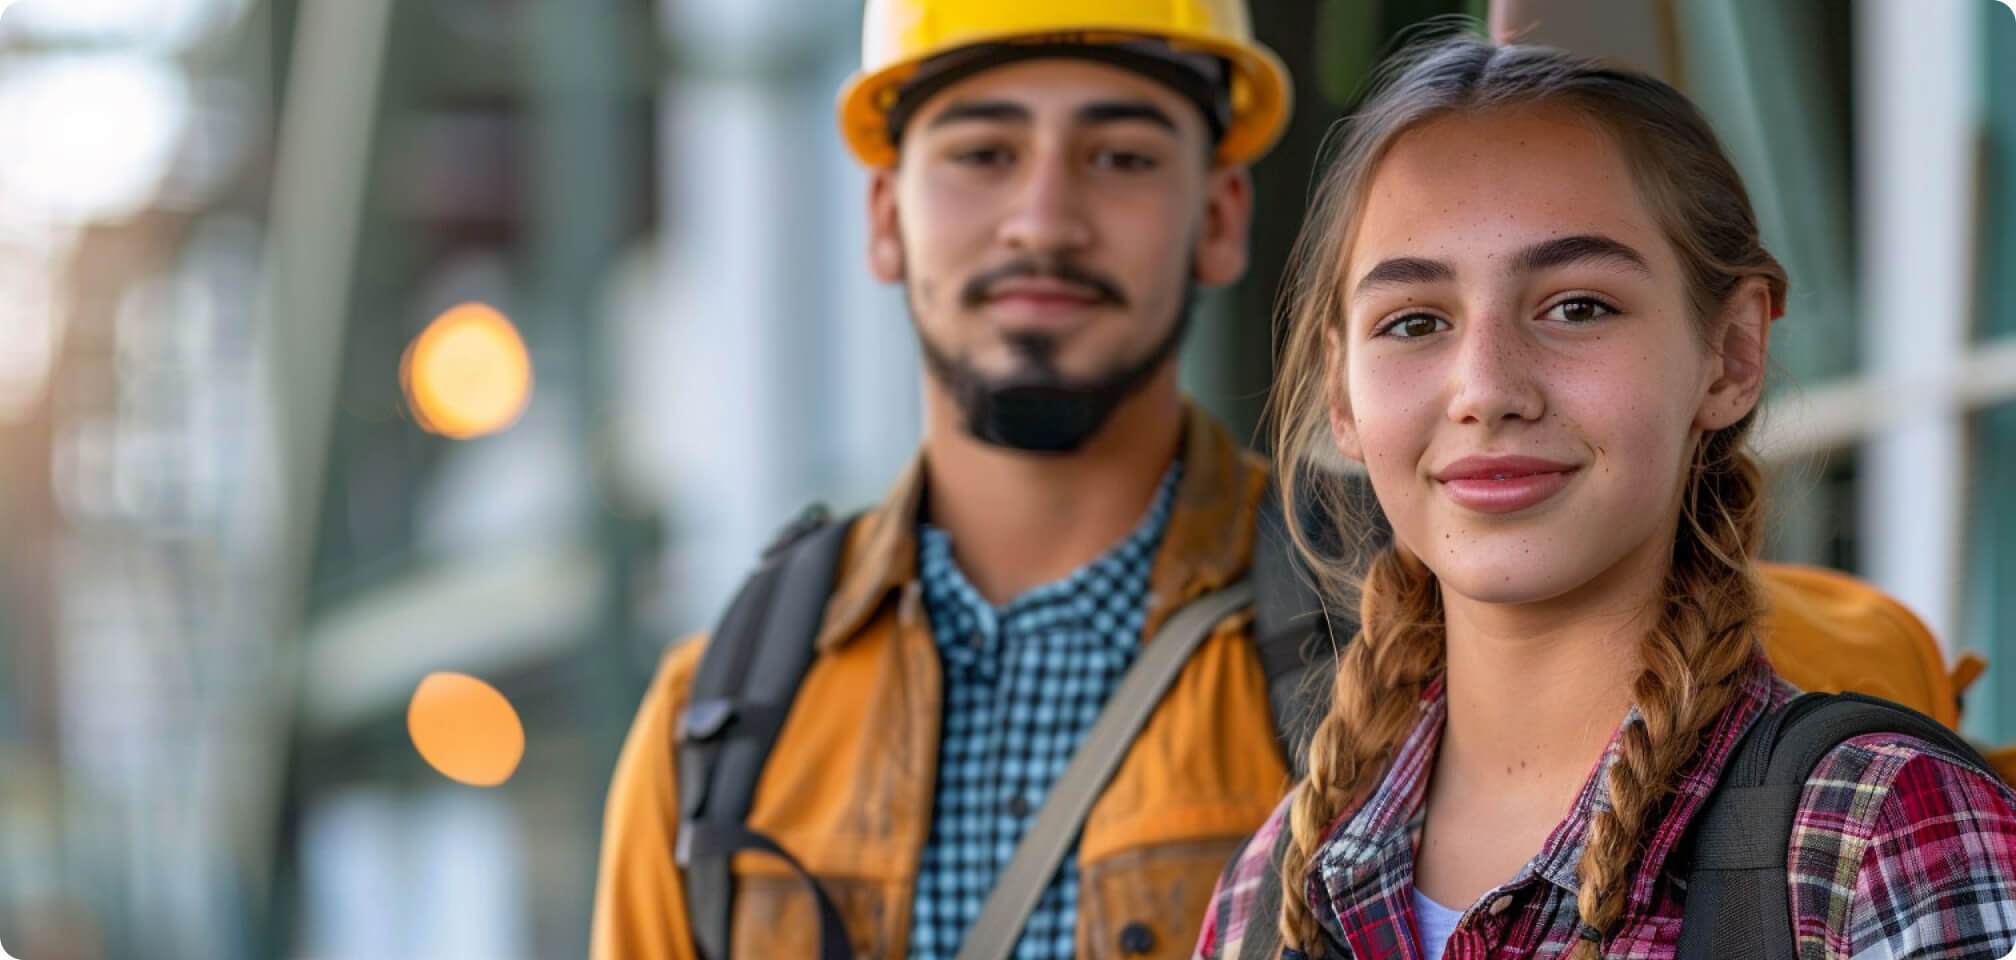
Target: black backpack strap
1296,641
1738,905
742,692
1291,635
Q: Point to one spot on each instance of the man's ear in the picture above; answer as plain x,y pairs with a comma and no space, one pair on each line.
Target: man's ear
1228,216
1343,429
885,229
1742,348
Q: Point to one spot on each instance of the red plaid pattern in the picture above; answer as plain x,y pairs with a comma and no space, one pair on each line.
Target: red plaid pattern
1898,851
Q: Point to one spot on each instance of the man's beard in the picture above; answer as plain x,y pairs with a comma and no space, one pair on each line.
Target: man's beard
1037,408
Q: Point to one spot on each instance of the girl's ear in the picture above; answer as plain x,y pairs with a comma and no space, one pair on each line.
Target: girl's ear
1736,374
1343,429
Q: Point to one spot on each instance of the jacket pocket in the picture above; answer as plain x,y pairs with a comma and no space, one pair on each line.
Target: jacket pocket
775,916
1148,903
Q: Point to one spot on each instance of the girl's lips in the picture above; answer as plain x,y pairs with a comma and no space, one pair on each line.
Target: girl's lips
1506,492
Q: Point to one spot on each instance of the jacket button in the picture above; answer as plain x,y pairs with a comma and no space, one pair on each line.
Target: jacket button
1136,939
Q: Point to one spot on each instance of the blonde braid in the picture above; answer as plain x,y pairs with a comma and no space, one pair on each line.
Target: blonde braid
1694,658
1375,701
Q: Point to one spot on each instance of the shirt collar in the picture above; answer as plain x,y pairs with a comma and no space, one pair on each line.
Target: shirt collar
946,588
1208,541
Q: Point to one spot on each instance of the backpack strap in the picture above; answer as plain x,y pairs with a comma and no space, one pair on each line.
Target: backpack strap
741,695
1737,902
1021,884
1296,640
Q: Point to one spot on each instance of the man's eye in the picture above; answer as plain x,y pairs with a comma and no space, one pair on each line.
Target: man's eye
1413,325
1123,160
982,157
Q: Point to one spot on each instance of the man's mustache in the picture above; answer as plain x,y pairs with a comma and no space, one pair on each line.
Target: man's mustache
980,289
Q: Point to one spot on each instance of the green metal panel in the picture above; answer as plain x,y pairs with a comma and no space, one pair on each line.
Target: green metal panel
1991,583
1775,79
1991,579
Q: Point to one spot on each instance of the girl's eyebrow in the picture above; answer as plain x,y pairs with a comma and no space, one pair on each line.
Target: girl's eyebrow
1404,271
1581,248
1545,255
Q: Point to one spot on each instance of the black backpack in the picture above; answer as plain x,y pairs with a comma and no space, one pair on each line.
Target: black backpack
759,654
1734,855
1732,859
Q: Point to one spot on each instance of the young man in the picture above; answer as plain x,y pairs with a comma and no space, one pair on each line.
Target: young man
1050,182
1050,199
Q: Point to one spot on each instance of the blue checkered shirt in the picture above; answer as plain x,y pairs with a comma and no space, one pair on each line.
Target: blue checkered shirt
1023,684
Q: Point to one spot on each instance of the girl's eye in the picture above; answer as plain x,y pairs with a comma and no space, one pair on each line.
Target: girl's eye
1413,325
1581,310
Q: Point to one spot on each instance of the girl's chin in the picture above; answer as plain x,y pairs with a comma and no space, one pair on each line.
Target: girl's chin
1508,583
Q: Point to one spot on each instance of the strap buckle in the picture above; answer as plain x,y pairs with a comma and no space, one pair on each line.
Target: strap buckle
682,848
705,720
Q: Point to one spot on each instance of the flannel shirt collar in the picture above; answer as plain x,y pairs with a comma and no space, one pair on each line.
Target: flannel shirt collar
1366,864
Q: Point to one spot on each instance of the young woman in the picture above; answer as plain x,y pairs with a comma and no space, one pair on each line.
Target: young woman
1532,302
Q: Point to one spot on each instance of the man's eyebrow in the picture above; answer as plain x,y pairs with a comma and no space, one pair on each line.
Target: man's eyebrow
1092,114
1124,111
1581,248
1404,271
969,111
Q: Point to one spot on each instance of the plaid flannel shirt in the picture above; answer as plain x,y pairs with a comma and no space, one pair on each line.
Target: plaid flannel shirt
1897,851
1023,684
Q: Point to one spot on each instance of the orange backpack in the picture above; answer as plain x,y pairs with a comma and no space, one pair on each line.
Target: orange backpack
1829,632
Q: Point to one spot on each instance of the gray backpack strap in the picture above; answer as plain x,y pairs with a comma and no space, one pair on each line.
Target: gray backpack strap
741,695
1738,902
1036,859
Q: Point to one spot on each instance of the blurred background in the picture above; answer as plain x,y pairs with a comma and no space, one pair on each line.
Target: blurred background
347,341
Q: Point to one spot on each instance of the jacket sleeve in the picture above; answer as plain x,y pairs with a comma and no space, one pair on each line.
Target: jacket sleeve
640,900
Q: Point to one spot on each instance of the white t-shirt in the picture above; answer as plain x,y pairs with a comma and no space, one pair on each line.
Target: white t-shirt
1436,922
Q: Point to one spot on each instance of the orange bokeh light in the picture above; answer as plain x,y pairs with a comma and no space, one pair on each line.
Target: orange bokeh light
465,729
468,374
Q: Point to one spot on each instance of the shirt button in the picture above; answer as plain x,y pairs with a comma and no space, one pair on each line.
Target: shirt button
1502,904
1018,804
1136,939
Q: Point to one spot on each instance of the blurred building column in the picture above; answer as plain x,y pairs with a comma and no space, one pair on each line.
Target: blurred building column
1917,118
322,171
757,324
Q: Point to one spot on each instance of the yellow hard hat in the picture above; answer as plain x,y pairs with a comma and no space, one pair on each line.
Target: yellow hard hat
898,35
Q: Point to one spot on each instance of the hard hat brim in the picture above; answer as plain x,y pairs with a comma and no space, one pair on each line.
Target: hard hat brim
1261,100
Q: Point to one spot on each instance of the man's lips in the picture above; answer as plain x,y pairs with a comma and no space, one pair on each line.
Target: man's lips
1046,303
1044,292
1040,299
1507,484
